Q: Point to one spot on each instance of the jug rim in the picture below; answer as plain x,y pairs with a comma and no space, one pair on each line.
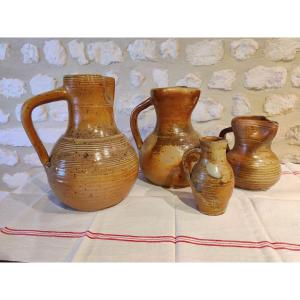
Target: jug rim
88,79
257,118
208,140
174,88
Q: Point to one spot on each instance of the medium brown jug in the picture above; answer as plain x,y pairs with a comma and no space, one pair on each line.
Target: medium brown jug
211,178
255,165
92,166
161,152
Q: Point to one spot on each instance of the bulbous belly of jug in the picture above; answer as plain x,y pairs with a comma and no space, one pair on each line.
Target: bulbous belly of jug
258,171
92,174
161,159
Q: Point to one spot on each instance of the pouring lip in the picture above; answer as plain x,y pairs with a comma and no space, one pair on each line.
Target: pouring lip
175,89
263,120
208,140
88,79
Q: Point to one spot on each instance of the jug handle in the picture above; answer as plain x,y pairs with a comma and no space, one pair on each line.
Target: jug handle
223,133
134,121
186,161
27,108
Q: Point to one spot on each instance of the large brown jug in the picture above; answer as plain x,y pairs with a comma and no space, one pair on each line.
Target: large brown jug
161,152
92,166
255,165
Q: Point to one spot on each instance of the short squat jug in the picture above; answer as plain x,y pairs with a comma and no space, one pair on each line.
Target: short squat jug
161,152
255,165
92,166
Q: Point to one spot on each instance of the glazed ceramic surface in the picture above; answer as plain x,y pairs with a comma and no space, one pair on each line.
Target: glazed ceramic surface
255,165
211,178
92,166
161,152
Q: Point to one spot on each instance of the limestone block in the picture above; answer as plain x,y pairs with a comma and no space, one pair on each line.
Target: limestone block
42,83
32,159
8,157
240,105
4,50
137,78
222,80
16,180
190,80
276,104
77,51
12,87
161,77
39,114
293,135
105,53
30,53
283,49
205,52
295,77
142,50
58,111
243,49
55,53
3,117
126,105
169,49
207,109
261,77
16,136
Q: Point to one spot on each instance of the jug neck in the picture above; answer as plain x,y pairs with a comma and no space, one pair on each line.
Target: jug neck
213,149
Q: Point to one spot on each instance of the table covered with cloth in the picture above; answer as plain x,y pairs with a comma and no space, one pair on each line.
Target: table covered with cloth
152,224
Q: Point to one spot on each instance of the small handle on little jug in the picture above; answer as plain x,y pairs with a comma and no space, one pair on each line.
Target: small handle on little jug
187,161
27,108
223,133
134,121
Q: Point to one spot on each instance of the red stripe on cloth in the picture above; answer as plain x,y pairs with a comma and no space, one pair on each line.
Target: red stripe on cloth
154,239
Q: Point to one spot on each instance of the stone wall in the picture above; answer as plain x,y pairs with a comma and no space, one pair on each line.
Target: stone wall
236,76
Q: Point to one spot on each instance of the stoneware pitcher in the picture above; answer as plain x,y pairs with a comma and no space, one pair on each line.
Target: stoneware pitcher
255,165
161,152
211,178
92,166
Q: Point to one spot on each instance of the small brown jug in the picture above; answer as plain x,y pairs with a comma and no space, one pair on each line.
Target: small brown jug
161,152
92,166
254,164
211,178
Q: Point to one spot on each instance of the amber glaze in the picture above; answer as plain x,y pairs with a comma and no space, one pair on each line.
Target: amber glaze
211,178
161,152
92,166
255,165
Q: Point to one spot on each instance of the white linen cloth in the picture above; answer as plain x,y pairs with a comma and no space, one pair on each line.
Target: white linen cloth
152,225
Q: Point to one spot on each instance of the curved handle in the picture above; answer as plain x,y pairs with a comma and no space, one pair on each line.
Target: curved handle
186,161
223,133
27,108
134,121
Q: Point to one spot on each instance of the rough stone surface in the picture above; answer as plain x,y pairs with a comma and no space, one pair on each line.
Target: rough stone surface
42,83
16,180
142,50
105,53
77,51
4,117
17,137
169,49
160,77
8,157
277,104
295,77
293,135
137,78
30,53
240,105
222,80
39,114
12,87
4,50
206,52
126,105
244,48
261,77
190,80
32,159
207,109
282,49
55,53
58,111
